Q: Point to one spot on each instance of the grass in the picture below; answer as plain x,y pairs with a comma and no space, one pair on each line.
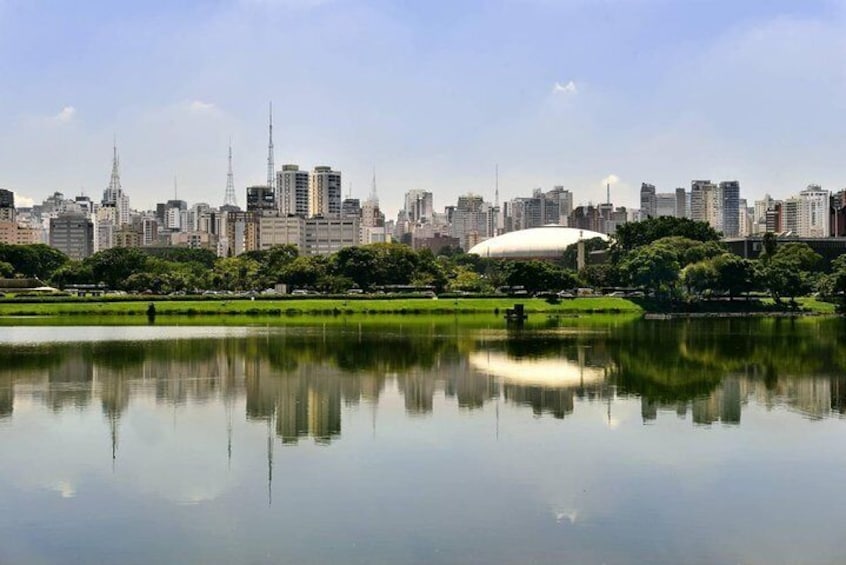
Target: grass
331,306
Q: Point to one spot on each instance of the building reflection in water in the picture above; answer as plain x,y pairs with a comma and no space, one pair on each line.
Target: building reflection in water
299,383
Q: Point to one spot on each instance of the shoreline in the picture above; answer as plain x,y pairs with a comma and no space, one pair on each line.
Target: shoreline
204,307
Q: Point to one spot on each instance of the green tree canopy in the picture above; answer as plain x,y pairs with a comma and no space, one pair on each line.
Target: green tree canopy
36,260
114,266
632,235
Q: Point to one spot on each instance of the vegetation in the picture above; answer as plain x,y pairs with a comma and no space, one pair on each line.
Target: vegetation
675,263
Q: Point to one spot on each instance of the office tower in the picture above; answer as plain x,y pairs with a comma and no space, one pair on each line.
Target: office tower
702,201
730,208
325,192
814,212
292,191
419,206
681,203
648,204
73,234
260,198
7,205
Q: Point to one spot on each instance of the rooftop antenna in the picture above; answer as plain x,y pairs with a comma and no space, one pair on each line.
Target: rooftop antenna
496,191
229,197
608,192
373,196
175,189
349,191
270,167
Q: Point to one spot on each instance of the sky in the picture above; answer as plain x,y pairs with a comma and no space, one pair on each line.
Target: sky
433,95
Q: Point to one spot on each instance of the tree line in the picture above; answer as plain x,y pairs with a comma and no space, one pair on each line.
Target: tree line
670,258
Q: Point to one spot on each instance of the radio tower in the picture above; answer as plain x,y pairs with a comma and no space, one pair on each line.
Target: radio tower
270,167
496,189
229,198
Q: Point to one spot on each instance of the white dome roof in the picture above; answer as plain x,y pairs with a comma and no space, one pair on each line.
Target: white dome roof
548,241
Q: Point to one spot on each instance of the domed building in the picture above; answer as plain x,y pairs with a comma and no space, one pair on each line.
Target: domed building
547,242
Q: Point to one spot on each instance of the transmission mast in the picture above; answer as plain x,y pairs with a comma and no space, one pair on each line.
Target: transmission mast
229,197
270,168
496,189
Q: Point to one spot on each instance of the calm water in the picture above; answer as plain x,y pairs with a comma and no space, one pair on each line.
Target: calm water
411,442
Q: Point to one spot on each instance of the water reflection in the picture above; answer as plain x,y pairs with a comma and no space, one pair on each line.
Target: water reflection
298,379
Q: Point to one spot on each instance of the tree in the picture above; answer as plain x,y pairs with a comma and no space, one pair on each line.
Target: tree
113,266
536,276
699,277
36,260
799,254
601,275
465,280
236,273
72,272
6,270
653,267
784,279
733,274
632,235
303,272
569,259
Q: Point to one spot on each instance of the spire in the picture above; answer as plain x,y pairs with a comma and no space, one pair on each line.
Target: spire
229,197
114,183
270,167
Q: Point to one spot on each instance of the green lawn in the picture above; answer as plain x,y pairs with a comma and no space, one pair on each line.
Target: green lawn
317,306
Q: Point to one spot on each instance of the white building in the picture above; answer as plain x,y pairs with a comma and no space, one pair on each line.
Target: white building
324,192
292,191
814,219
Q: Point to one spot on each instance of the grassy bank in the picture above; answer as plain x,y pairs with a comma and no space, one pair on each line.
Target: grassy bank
332,306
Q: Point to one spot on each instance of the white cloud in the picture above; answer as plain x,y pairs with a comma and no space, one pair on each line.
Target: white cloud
611,179
200,107
66,115
22,201
569,88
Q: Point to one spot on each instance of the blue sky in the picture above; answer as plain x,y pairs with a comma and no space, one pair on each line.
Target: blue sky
433,94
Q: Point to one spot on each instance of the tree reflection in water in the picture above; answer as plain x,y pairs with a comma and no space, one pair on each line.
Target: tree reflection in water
299,378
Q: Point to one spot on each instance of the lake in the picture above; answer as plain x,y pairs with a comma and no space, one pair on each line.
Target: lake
403,440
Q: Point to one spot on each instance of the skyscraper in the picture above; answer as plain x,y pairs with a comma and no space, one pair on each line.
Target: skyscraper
292,191
648,203
325,192
114,195
730,193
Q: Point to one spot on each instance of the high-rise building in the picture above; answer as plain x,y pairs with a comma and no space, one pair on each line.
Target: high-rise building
260,198
418,206
472,220
759,216
292,191
325,192
814,212
666,204
351,208
648,203
7,205
114,194
72,234
730,208
706,203
681,203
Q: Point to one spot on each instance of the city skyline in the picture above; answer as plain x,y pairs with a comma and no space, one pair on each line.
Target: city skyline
555,93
